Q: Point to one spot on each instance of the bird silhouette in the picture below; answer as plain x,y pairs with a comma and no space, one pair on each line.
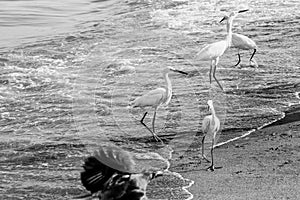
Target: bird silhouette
111,174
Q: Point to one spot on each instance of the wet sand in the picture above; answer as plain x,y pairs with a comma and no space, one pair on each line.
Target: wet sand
263,165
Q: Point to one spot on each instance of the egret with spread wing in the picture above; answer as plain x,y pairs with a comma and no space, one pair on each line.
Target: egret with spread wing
210,126
155,98
214,51
111,174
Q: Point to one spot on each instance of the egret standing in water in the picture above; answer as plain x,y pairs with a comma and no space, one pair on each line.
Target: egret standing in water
214,50
155,98
243,42
211,126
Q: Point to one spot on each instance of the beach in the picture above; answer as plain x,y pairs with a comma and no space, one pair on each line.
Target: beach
263,165
71,69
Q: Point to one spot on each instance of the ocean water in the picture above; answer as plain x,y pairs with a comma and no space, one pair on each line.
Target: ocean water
69,70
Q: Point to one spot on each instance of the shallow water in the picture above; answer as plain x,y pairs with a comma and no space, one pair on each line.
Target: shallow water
70,69
28,21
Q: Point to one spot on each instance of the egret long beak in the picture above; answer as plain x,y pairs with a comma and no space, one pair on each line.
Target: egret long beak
222,19
240,11
182,72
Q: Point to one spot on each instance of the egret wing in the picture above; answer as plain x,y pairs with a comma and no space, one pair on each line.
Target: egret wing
242,42
152,98
212,51
150,162
106,162
203,54
206,124
115,158
95,174
217,125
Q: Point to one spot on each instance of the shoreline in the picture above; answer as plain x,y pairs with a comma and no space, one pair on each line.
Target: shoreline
261,165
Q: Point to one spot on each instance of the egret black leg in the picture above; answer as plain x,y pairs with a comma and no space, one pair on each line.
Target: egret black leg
214,75
211,66
252,55
142,122
212,167
153,120
239,60
203,156
153,133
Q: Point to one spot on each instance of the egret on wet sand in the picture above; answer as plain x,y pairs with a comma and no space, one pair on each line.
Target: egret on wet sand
243,42
211,126
155,98
214,50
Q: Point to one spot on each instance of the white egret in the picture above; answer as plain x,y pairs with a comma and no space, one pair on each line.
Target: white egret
211,126
243,42
155,98
214,50
111,174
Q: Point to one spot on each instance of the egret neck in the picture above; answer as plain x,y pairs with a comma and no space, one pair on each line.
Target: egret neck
229,31
213,114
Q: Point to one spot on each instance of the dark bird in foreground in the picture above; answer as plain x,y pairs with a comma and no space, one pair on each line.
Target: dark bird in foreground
110,174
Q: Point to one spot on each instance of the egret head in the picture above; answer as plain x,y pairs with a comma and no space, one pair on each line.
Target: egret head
224,18
210,104
168,69
232,15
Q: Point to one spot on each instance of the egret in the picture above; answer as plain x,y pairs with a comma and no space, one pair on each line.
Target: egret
243,42
111,174
155,98
211,126
214,51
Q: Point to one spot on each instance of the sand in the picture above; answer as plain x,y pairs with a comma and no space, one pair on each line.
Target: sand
263,165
